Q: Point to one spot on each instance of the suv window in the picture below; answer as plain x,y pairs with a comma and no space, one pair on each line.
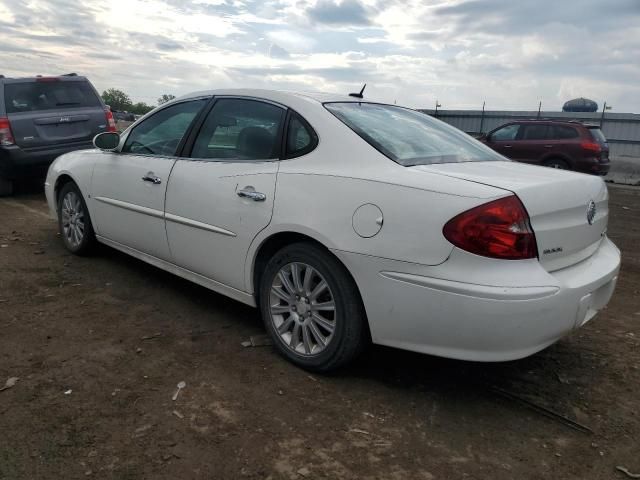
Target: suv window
535,132
240,130
301,139
597,135
161,133
560,132
505,133
50,95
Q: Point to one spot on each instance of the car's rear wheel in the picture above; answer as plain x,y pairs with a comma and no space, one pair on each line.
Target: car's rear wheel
312,308
6,187
74,221
557,163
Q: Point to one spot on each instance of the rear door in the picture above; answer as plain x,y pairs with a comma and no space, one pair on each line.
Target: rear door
532,143
53,111
128,187
563,142
222,197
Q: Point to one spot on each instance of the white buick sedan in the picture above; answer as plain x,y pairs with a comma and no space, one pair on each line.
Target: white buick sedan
346,222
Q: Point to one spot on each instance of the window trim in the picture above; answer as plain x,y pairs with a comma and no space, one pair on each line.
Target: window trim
187,149
125,136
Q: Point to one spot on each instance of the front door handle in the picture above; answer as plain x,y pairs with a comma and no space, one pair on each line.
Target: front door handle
249,192
150,177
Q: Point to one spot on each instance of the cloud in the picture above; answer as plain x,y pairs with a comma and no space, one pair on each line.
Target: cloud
462,52
346,13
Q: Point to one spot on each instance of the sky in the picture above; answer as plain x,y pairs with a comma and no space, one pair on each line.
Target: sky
510,54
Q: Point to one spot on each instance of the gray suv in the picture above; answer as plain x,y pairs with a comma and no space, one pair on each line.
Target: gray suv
43,117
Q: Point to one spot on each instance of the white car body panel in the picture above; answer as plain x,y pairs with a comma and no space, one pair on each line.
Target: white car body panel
420,292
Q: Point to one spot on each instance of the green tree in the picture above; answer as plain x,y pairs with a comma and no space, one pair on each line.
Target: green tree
117,99
140,108
165,98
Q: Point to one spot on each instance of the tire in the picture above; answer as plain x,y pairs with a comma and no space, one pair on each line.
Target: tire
6,187
74,222
344,329
557,163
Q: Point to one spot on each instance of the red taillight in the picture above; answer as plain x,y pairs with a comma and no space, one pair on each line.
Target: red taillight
498,229
591,147
6,137
111,123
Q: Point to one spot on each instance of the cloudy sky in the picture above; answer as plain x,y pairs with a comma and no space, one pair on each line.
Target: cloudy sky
510,53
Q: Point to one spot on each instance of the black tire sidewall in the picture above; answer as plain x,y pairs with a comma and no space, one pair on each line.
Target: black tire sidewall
563,165
88,239
347,338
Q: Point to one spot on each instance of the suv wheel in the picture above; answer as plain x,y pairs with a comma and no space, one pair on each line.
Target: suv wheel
557,163
6,187
74,221
311,308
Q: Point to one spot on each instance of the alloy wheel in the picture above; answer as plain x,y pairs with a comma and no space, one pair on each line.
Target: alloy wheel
73,221
302,308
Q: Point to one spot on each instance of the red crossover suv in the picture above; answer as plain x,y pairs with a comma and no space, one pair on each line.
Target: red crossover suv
569,145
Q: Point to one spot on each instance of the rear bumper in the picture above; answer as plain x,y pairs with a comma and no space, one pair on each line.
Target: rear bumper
17,163
424,309
594,166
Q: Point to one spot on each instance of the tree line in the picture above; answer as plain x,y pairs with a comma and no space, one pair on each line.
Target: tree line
119,100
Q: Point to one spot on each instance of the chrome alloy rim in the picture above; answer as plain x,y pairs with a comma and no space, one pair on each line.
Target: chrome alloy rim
72,219
302,308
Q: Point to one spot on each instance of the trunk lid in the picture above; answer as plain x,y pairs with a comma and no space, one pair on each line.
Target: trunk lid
53,112
558,203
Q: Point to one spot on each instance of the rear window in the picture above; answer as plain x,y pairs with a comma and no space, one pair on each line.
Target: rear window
597,135
56,95
409,137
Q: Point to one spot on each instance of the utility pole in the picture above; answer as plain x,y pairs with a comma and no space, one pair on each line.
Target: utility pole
605,107
482,117
435,114
539,108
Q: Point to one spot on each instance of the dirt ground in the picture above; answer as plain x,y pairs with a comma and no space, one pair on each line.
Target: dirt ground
100,343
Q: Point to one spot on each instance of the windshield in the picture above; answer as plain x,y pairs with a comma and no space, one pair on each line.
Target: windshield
597,135
409,137
36,96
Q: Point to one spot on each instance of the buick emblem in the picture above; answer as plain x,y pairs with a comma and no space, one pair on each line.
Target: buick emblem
591,212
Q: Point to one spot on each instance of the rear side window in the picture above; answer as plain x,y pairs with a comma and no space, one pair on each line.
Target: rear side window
409,137
597,135
53,95
535,132
560,132
160,134
301,138
238,129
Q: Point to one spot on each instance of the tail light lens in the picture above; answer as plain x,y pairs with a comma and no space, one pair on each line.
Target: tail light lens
498,229
111,123
6,137
591,147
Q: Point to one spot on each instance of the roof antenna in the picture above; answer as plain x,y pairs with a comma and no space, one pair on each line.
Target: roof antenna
359,95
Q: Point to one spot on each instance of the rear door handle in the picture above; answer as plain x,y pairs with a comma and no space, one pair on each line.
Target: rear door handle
249,192
150,177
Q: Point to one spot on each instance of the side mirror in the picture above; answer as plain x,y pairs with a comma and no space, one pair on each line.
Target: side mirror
107,141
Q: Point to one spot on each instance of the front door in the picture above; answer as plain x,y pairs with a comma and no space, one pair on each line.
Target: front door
128,187
220,198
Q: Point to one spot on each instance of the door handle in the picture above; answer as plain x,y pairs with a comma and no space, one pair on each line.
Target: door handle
150,177
507,146
249,192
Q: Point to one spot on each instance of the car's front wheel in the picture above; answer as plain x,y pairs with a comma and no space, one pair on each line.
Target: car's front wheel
312,308
74,222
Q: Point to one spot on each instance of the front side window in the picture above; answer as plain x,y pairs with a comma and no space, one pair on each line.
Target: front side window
238,129
301,138
160,134
505,134
409,137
